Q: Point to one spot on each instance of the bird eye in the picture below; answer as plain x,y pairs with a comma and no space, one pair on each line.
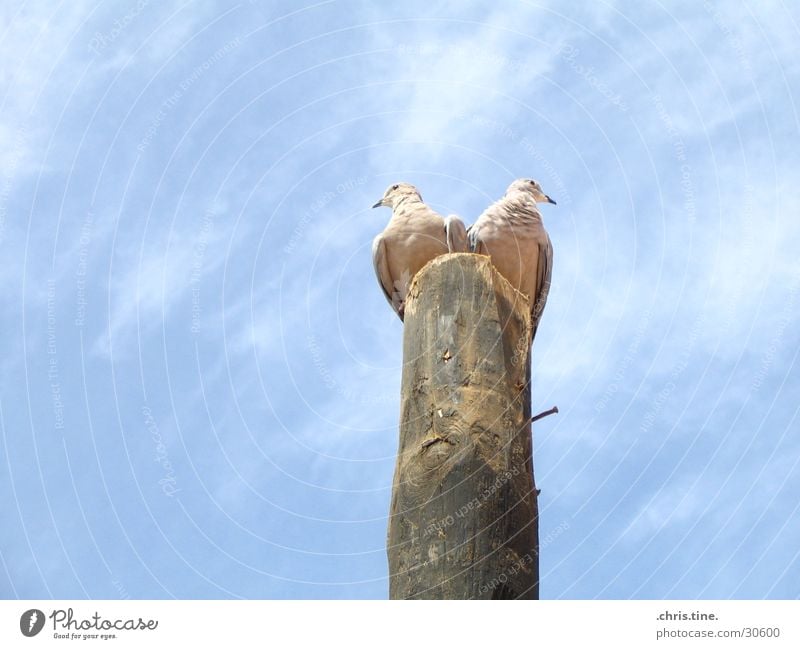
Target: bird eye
395,187
532,182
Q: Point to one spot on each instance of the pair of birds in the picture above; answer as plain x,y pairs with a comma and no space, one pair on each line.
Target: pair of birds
510,232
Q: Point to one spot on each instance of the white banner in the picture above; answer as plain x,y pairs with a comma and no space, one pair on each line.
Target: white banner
373,624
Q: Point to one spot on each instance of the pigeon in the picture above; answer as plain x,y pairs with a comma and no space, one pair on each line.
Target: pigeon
511,232
415,235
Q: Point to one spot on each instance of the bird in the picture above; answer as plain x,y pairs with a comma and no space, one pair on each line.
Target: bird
511,233
414,235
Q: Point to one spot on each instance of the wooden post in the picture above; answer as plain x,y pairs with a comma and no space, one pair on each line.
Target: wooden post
464,513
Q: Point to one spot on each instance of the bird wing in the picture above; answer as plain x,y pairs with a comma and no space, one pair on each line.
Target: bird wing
544,270
474,240
381,266
456,234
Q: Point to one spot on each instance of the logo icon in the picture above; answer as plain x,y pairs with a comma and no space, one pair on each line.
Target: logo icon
31,622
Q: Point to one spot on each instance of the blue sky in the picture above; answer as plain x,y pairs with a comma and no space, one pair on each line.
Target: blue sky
200,376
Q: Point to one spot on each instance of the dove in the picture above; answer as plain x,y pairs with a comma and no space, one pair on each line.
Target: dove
415,235
510,231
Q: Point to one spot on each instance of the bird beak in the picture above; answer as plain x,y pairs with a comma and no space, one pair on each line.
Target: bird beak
550,200
378,204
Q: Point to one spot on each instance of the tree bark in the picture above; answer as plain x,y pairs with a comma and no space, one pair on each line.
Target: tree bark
464,513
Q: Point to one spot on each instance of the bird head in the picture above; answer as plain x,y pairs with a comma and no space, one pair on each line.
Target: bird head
530,187
396,193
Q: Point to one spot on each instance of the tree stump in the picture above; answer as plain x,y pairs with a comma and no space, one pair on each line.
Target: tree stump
464,513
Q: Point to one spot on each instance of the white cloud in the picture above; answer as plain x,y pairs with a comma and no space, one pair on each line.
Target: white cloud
147,281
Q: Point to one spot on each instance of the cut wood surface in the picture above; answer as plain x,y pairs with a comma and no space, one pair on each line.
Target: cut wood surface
464,513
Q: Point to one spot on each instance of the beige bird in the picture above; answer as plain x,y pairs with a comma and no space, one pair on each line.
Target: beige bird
415,235
511,232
